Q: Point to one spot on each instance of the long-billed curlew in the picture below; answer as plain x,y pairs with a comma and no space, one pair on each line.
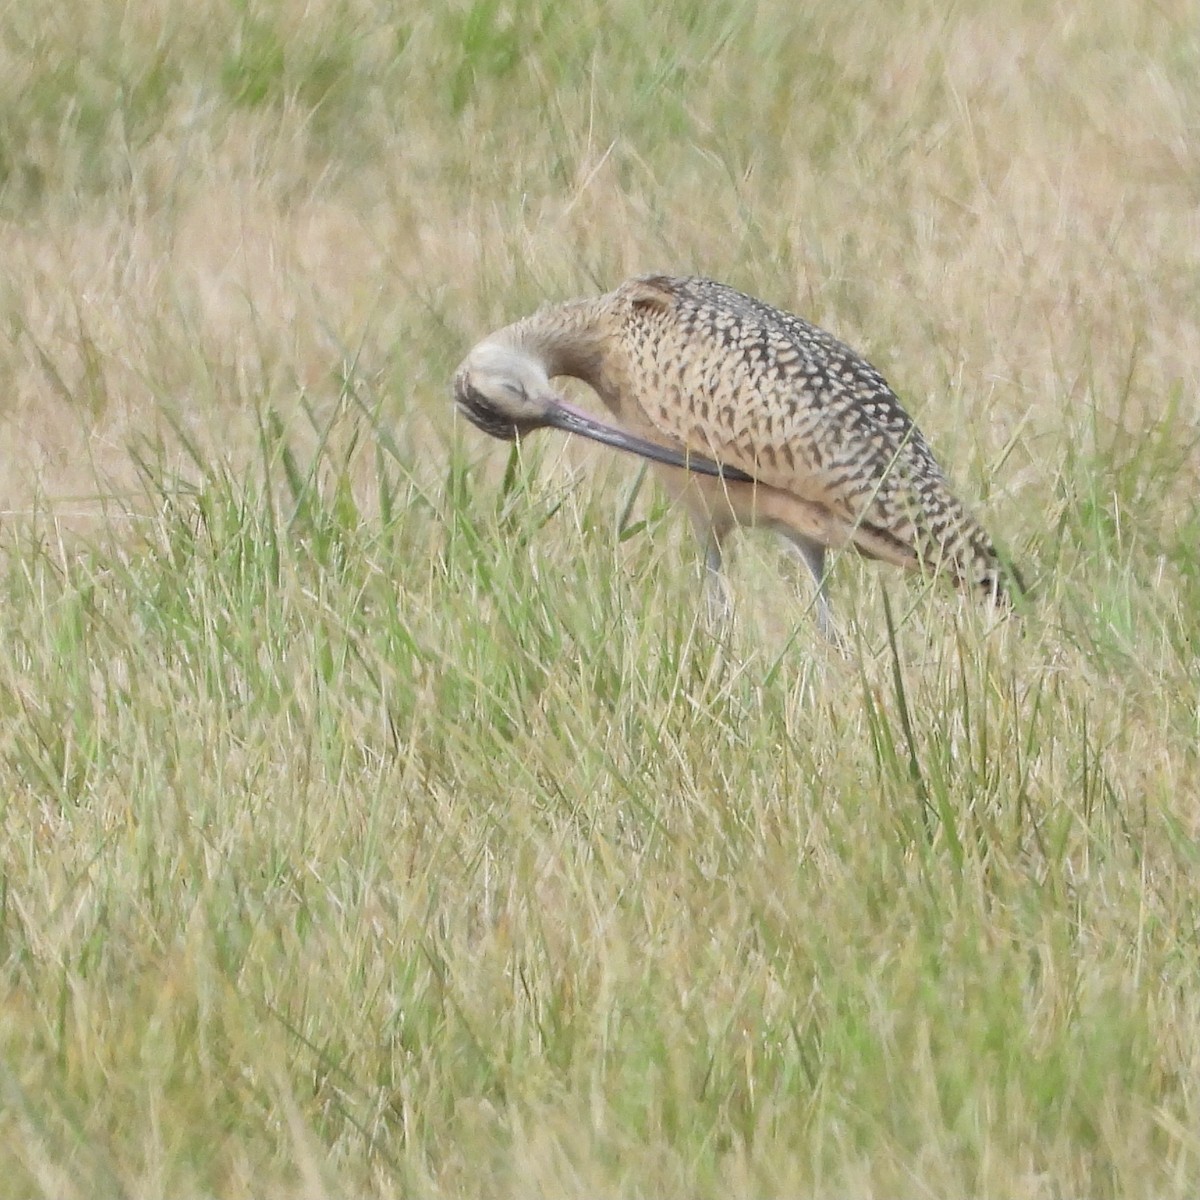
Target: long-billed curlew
774,421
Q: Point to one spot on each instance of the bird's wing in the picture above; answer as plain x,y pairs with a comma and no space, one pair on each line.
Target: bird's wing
762,390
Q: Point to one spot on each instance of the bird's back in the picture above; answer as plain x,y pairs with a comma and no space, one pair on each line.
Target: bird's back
752,386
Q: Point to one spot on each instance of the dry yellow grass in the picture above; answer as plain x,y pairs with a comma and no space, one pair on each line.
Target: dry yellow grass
376,824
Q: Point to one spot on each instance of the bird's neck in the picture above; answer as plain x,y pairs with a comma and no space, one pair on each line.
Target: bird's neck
570,339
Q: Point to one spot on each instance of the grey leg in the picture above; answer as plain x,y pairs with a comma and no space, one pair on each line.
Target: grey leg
812,554
716,586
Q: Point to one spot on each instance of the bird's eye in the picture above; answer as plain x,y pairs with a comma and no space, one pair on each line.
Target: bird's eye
513,388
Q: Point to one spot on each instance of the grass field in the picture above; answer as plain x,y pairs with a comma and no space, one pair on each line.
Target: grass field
380,816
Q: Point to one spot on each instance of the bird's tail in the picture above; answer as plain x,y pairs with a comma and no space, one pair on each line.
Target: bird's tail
967,552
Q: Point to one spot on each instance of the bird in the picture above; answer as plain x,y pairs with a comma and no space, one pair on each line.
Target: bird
753,417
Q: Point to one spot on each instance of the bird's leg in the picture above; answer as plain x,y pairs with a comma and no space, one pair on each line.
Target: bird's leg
716,586
812,554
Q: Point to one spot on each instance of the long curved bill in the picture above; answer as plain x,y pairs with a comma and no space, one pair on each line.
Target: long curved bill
570,419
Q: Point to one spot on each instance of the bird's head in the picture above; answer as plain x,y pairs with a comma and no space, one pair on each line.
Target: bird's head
503,391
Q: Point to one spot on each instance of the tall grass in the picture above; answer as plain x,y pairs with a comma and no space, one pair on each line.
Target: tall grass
379,814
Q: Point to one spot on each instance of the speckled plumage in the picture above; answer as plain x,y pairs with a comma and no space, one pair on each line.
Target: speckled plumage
699,367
